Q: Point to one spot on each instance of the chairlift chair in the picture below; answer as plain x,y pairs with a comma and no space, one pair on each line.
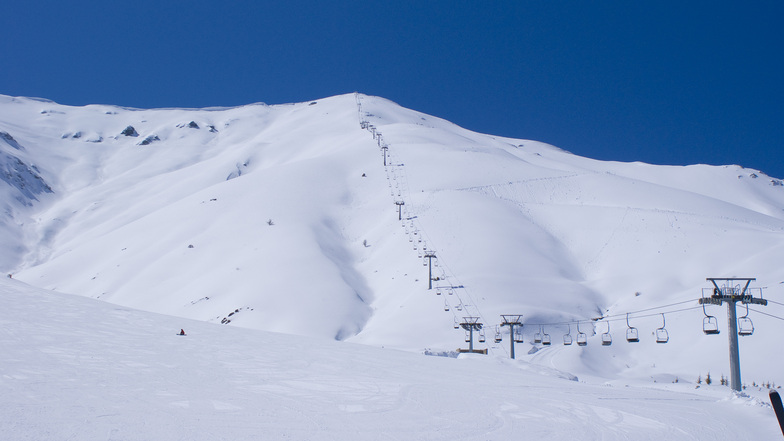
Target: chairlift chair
632,336
545,339
518,337
606,337
468,336
582,337
446,306
497,335
710,326
538,336
745,325
457,325
662,336
481,336
568,336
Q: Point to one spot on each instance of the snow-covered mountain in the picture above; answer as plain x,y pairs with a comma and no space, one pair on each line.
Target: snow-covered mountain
284,218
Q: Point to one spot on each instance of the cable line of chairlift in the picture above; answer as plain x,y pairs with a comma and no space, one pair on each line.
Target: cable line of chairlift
414,235
710,327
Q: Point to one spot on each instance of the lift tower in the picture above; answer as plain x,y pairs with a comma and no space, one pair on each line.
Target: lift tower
400,209
731,294
430,255
471,324
511,321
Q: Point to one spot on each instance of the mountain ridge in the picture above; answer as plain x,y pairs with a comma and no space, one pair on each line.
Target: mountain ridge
284,219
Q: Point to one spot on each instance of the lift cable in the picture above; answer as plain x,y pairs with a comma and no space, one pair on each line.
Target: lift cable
620,317
765,313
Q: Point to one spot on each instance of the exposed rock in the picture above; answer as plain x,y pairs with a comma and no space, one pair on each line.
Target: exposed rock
24,178
129,131
190,125
5,136
149,140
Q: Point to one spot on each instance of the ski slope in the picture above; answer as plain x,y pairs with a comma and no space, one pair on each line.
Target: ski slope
77,368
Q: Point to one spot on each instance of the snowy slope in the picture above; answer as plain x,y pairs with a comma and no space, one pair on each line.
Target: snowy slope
283,218
77,368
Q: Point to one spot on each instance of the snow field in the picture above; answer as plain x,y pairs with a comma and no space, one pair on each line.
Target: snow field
76,368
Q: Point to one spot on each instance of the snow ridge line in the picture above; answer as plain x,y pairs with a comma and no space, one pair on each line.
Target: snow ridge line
399,193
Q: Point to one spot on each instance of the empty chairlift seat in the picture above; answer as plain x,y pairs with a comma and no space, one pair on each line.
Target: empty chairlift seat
582,337
567,338
745,325
662,336
632,336
606,337
546,339
710,326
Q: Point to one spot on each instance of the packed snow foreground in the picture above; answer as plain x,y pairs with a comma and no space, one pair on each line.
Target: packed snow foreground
291,242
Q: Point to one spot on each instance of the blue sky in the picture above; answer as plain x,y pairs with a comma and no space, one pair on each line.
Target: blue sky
659,82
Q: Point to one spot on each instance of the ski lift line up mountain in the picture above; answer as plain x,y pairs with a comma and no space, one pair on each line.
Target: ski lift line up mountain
402,191
396,173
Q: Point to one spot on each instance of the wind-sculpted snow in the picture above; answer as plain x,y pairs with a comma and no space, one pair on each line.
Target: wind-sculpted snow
284,218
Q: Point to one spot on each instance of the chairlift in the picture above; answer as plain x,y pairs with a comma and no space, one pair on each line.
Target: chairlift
545,338
518,337
446,306
632,336
457,325
481,336
438,291
468,336
568,336
450,291
538,336
745,325
497,335
582,337
662,336
606,337
460,306
710,325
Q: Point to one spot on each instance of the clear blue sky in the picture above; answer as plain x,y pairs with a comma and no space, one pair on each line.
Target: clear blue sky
659,82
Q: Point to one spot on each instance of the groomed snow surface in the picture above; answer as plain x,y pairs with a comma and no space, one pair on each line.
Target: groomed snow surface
76,368
271,235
